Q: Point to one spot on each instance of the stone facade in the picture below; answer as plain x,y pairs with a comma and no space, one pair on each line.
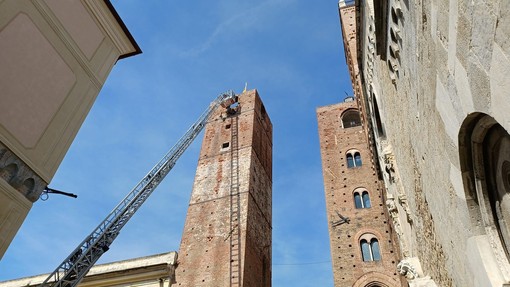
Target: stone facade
231,202
54,59
435,84
354,192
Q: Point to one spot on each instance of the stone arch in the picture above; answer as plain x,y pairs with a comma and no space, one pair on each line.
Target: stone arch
484,153
373,279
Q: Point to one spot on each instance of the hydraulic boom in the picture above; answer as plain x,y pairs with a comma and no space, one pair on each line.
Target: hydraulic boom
78,263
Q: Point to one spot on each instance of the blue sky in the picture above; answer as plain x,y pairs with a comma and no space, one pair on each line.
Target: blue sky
289,50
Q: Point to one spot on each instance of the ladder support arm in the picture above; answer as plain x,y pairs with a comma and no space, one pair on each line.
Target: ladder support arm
72,270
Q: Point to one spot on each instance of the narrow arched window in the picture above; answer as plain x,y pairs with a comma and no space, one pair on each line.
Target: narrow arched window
374,246
350,161
357,200
366,200
357,159
365,250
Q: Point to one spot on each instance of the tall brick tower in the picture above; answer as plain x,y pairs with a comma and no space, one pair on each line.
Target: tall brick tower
363,248
363,251
227,234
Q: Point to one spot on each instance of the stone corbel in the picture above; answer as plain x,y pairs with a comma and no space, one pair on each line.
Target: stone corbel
402,199
389,160
411,269
393,212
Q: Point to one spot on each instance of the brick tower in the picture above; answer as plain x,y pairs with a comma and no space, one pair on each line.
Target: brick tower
361,239
227,234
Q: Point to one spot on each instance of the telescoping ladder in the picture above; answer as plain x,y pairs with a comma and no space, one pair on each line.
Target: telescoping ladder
72,270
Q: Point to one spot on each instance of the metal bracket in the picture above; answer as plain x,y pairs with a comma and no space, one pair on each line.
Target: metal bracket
341,221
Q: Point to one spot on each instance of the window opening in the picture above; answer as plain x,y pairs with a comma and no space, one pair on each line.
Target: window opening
351,118
366,200
225,145
376,254
365,251
357,200
350,161
485,160
357,159
370,250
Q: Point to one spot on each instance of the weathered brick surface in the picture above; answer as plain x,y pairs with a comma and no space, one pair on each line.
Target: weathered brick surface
204,254
339,182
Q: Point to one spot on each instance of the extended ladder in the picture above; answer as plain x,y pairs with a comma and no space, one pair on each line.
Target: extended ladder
235,206
78,263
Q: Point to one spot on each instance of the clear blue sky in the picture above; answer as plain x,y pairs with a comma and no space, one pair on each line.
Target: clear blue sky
289,50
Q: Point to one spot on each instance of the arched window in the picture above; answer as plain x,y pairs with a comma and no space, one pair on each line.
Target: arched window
361,198
485,165
365,250
366,200
351,118
357,159
357,200
350,161
370,248
353,158
374,246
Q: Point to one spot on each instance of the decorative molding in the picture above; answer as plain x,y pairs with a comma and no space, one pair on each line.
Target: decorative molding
395,39
411,269
402,200
66,39
393,212
406,269
111,27
19,175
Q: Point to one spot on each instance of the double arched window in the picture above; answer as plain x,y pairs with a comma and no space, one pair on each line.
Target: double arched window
351,118
353,158
370,250
361,198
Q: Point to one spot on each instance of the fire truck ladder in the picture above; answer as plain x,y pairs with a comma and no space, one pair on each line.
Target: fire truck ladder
235,206
78,263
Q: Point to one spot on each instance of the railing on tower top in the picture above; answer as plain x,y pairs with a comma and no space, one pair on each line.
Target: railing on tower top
346,3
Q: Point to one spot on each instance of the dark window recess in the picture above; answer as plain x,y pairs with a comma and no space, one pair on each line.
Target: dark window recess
351,118
377,115
225,145
227,127
381,27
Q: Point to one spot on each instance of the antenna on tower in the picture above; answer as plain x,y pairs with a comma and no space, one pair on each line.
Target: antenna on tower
245,87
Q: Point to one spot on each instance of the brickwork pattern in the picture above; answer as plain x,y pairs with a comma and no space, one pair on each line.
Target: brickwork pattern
204,254
339,183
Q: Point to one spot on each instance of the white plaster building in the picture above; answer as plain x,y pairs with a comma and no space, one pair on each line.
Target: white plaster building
54,58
